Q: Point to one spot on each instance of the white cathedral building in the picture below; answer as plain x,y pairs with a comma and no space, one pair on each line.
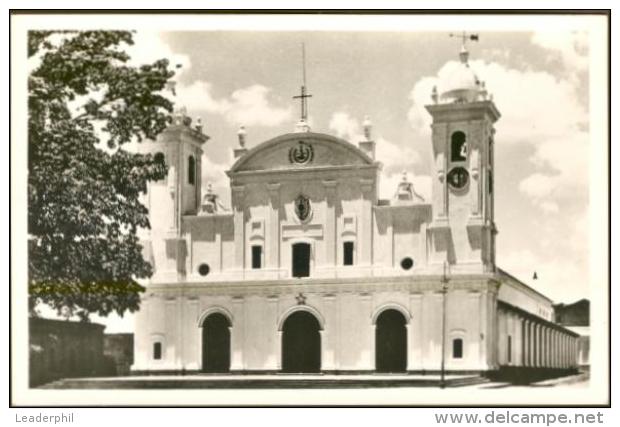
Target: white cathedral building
310,271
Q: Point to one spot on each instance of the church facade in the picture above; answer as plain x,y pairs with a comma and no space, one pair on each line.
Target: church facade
310,271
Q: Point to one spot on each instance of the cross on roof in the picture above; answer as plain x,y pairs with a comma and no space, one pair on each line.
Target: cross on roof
303,96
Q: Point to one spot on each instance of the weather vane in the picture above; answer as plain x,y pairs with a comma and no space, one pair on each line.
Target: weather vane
303,96
464,36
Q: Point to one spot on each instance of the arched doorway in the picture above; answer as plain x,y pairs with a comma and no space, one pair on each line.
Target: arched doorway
216,343
391,342
301,343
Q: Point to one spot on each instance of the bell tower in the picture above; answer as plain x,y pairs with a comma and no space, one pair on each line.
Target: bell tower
463,114
176,195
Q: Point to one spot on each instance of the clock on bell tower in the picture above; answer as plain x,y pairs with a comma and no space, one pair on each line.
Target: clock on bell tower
463,228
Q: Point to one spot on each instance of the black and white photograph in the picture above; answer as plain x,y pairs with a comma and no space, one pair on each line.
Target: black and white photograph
310,209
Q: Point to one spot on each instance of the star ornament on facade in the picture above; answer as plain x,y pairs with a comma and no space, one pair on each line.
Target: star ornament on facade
301,299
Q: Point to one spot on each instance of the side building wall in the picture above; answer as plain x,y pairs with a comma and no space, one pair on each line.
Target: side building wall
62,349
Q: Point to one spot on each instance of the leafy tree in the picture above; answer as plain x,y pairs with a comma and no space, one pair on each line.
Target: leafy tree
83,200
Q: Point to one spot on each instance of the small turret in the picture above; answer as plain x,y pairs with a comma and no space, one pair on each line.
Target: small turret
241,136
368,145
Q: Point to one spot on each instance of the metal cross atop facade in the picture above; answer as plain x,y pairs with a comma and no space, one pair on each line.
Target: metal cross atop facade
303,96
464,36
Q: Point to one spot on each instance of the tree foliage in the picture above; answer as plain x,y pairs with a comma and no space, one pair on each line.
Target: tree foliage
83,200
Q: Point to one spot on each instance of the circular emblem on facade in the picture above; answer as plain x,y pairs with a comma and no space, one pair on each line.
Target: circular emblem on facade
302,208
458,178
301,154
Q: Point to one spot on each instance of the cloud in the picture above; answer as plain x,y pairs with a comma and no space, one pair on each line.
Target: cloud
249,106
558,279
543,111
396,157
549,207
346,127
570,46
149,46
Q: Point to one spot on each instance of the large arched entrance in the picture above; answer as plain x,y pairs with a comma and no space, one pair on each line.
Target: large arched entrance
216,343
391,342
301,343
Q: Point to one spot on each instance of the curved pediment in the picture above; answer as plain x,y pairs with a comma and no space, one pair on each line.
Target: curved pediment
297,150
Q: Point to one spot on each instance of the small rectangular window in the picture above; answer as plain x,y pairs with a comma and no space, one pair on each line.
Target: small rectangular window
257,254
348,253
157,351
457,348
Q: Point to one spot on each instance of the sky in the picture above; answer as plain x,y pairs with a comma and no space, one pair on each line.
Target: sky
539,82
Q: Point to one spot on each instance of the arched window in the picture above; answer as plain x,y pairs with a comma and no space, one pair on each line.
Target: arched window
458,147
159,157
457,348
191,170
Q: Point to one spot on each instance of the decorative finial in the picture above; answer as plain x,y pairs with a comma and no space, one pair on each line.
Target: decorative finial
404,176
483,90
434,95
367,125
241,134
199,124
209,188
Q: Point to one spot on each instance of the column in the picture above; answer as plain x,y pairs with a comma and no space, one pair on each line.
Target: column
329,335
557,349
171,340
414,354
526,342
553,348
330,224
367,358
275,359
565,351
273,234
485,333
365,240
521,347
239,225
546,347
192,351
440,189
237,336
537,339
